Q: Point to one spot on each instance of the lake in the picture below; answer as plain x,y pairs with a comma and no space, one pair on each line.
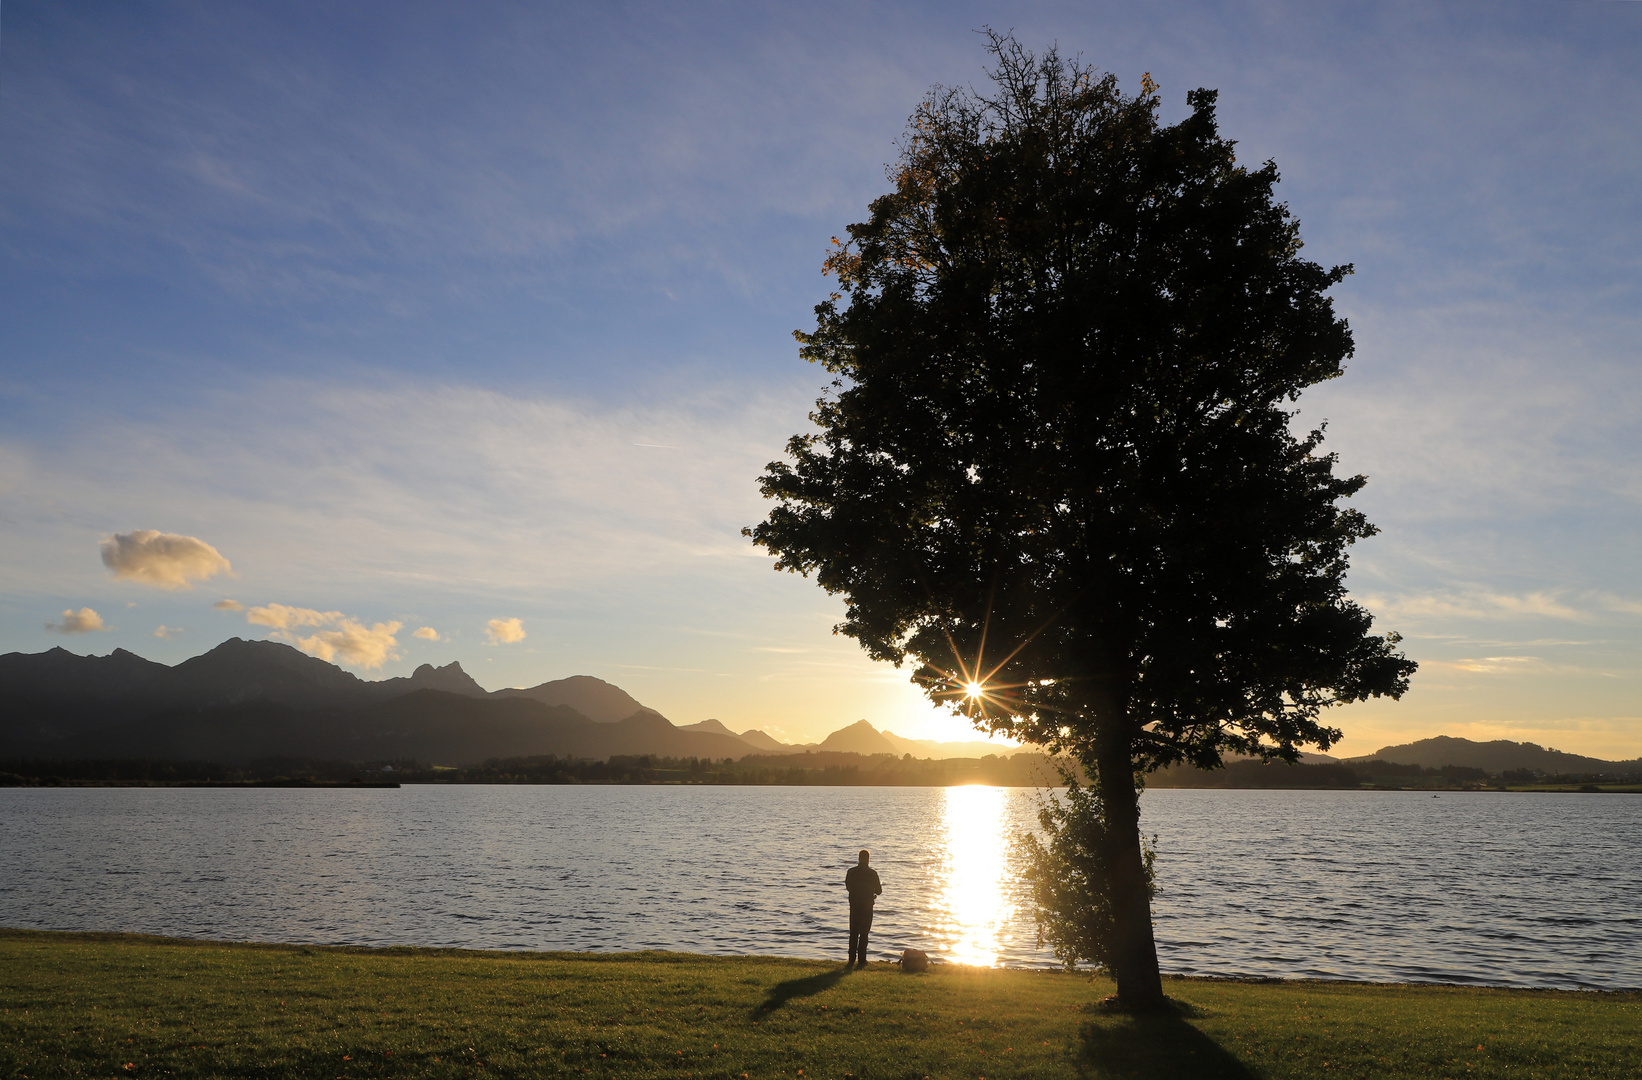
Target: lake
1486,888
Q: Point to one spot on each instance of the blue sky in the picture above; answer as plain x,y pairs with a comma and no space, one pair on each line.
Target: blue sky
438,314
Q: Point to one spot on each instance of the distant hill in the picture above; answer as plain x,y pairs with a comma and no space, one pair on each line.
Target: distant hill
931,748
767,743
862,738
712,727
1494,757
599,701
754,738
1253,773
859,738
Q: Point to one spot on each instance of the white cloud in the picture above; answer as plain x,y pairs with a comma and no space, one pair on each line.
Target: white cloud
166,633
83,621
504,631
281,617
163,560
227,605
426,633
354,644
350,642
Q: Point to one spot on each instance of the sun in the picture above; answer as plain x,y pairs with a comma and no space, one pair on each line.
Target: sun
974,690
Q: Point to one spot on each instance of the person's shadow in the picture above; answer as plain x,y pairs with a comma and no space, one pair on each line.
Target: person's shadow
781,993
1155,1045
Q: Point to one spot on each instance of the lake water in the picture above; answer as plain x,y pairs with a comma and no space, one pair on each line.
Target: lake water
1492,888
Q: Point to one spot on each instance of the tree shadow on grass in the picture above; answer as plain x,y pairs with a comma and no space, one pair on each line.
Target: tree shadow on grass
781,993
1155,1046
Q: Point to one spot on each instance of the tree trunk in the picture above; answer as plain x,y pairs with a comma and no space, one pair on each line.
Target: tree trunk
1134,954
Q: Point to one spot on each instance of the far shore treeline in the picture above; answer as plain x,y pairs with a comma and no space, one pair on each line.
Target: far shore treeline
1024,769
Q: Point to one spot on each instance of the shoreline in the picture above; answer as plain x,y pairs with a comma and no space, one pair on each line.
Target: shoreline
936,963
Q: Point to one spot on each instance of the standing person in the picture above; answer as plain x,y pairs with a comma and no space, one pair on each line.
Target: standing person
864,889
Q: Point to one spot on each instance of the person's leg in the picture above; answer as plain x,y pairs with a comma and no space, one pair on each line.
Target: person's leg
866,929
857,948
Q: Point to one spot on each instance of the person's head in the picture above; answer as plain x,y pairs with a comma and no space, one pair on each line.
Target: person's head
864,858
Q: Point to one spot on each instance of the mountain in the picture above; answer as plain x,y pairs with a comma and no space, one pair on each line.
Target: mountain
711,726
656,735
767,743
862,738
57,693
239,670
859,738
245,699
431,726
37,674
595,699
450,678
931,749
1494,757
755,739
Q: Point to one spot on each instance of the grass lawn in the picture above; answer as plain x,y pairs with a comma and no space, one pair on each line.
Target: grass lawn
110,1005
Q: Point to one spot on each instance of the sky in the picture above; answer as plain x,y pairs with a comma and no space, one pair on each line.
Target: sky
418,332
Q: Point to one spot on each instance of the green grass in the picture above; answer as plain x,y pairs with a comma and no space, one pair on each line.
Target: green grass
108,1005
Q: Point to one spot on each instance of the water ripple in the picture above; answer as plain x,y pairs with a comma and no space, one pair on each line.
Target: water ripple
1493,888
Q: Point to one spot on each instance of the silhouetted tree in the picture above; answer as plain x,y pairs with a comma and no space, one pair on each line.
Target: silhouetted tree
1055,464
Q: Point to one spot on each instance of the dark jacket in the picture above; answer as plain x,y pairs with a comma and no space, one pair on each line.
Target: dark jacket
862,883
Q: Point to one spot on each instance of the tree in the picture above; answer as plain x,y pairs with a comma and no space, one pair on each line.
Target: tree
1055,466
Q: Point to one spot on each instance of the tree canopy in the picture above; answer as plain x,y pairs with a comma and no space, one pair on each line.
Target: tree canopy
1056,467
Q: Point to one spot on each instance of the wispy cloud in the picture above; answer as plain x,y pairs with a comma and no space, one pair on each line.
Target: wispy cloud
1495,665
1472,605
1620,604
425,633
447,487
273,192
281,617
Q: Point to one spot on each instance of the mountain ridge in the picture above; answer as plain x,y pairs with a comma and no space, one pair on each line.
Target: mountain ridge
59,703
56,701
599,701
1494,756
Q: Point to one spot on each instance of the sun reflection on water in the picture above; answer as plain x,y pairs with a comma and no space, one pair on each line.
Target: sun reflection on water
973,904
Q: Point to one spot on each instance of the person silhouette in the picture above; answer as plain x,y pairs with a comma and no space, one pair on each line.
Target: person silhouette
864,888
